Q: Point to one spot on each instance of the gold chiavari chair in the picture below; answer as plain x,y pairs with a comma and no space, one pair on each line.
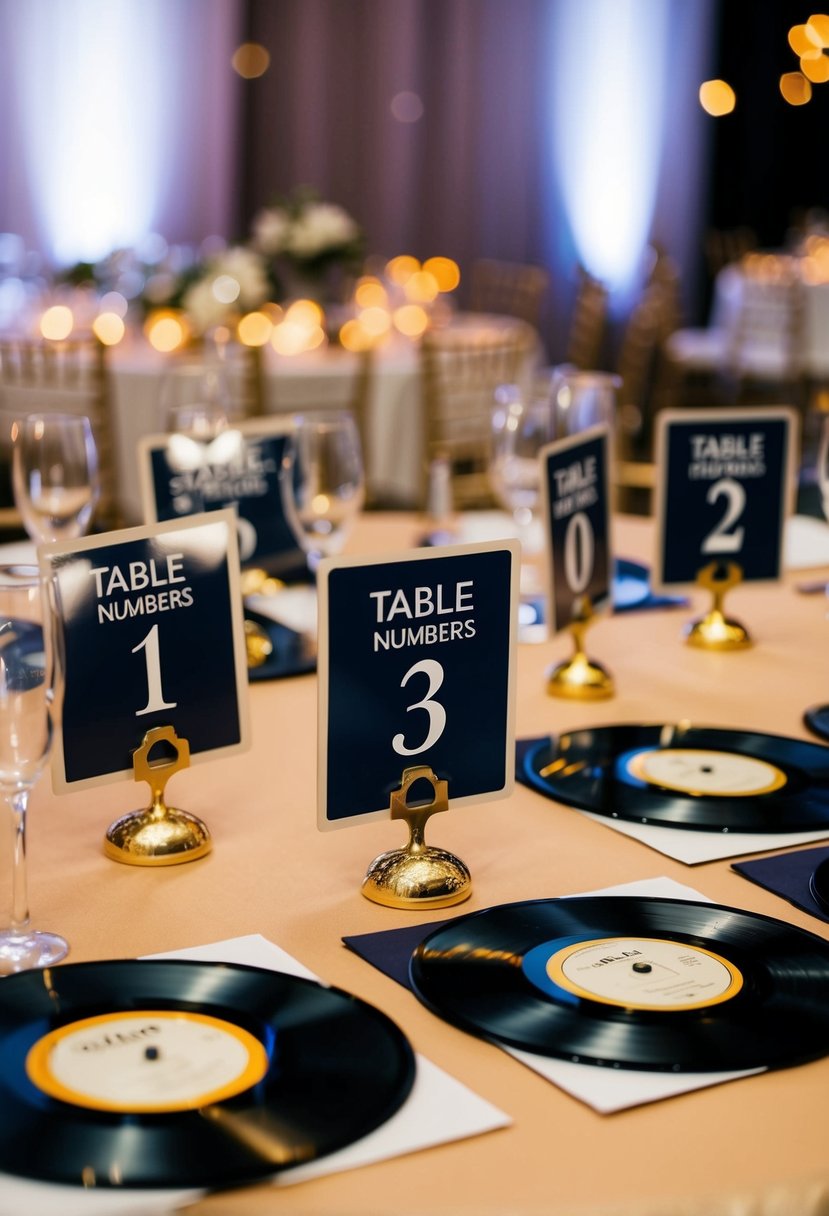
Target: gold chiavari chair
512,289
38,375
588,323
461,368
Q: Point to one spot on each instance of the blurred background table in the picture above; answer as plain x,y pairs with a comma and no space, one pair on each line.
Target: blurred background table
756,1145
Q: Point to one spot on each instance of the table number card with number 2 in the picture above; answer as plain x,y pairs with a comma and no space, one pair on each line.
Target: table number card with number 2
725,483
416,667
152,635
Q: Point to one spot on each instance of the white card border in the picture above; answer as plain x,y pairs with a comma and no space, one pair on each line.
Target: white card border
740,414
602,432
513,547
226,515
263,427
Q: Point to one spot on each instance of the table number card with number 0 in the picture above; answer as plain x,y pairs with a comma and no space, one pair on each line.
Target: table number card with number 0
575,478
184,475
725,483
152,629
416,667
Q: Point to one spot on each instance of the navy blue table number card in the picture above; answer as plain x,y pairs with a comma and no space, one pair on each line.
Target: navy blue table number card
240,467
152,635
575,491
416,667
725,484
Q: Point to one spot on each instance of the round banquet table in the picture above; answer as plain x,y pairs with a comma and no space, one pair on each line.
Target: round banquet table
754,1145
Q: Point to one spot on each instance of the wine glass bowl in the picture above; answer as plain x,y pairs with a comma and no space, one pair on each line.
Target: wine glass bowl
54,475
28,687
322,482
521,426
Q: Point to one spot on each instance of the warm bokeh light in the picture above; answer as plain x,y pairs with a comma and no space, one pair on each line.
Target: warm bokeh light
795,88
817,29
411,320
717,97
166,331
444,271
226,289
421,288
816,70
375,321
254,329
56,323
353,337
251,60
401,268
804,43
370,293
108,328
301,330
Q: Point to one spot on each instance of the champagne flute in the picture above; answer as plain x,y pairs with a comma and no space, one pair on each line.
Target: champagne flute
28,688
54,475
322,481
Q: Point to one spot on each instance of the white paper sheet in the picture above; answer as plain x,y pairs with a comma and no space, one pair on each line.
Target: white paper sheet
439,1109
608,1090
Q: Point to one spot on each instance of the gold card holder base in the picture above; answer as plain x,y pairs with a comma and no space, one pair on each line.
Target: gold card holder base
581,678
418,876
158,835
716,631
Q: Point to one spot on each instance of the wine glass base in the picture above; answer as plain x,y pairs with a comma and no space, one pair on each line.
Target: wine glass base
25,951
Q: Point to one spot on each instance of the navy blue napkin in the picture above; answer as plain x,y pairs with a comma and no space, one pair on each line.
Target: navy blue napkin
787,875
390,949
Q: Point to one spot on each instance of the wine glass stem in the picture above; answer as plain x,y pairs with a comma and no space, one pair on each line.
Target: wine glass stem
17,802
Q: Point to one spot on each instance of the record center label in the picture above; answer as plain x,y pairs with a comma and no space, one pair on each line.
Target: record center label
700,771
637,973
146,1061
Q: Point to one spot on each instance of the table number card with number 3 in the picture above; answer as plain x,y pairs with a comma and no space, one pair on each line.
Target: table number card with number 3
153,635
416,667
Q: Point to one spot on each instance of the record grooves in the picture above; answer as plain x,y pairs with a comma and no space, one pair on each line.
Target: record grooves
779,784
759,988
308,1069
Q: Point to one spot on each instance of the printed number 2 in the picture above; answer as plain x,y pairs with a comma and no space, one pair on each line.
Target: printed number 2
155,697
720,539
437,714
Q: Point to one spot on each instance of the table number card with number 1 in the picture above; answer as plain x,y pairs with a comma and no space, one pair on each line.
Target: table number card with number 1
152,634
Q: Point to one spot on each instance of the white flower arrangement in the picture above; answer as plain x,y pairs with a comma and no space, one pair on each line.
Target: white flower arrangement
308,235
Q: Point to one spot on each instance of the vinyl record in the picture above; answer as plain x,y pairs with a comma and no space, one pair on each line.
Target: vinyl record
658,984
185,1074
686,777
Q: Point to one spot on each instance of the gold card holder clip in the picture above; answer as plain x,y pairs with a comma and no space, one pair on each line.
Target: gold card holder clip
158,835
716,631
581,678
419,875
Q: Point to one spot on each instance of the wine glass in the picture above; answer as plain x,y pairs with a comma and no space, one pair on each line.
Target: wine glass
54,475
521,426
195,398
583,399
28,688
322,481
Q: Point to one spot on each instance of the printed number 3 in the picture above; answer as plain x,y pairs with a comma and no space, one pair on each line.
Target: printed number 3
437,714
155,696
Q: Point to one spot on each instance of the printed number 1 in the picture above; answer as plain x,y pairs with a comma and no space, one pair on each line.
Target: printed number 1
155,697
437,714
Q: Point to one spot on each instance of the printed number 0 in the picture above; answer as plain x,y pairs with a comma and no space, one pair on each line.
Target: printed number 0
436,712
155,697
720,539
578,552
